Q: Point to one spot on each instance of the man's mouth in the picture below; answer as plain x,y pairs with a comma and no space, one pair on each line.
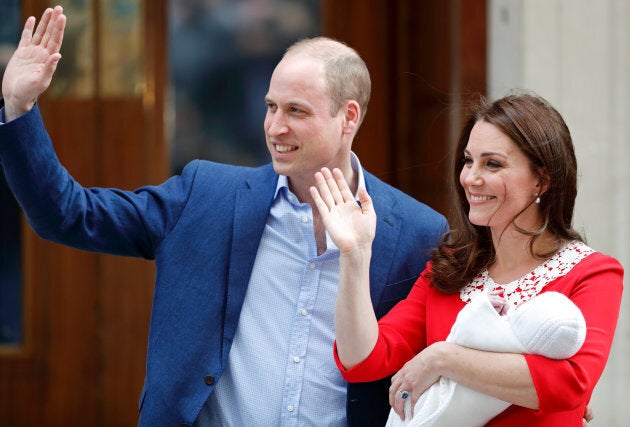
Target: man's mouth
285,148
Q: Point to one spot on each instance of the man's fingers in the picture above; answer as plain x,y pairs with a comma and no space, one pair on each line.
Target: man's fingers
588,415
40,31
54,30
51,64
56,35
27,32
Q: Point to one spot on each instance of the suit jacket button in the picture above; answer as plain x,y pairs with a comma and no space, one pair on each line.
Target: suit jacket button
209,379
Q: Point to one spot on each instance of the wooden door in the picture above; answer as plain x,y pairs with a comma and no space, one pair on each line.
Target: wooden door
427,60
86,315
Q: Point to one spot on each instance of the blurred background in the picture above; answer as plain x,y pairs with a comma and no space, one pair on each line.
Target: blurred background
144,87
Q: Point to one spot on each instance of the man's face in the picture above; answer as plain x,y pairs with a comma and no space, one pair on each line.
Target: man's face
301,134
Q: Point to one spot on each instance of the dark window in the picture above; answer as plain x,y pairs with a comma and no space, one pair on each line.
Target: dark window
10,217
221,57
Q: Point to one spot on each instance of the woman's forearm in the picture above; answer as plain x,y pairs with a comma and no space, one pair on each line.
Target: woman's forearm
356,327
505,376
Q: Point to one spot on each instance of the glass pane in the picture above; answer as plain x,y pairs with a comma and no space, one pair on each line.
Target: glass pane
75,77
221,56
10,268
10,217
122,48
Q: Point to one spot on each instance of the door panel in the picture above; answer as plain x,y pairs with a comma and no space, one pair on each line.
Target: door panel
427,60
86,315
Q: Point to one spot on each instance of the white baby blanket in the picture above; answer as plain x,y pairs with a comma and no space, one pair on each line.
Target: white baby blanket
549,324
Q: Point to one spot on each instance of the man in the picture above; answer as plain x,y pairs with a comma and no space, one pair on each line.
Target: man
242,321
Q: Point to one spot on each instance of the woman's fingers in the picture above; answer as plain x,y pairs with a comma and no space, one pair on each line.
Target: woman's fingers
342,185
323,191
332,187
319,193
397,395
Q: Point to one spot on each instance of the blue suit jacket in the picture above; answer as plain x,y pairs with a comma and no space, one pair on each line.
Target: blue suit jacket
202,228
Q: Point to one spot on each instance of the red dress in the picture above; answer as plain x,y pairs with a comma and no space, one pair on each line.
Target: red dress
593,281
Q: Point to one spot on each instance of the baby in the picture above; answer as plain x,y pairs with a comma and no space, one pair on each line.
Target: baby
549,324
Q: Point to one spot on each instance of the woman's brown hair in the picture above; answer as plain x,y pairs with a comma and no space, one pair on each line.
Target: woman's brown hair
540,132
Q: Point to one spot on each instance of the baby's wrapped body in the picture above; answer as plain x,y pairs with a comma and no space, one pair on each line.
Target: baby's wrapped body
549,325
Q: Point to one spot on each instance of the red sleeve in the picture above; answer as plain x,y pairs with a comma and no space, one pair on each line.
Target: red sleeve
402,334
595,285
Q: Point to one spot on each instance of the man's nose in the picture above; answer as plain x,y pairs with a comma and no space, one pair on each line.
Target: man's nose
277,123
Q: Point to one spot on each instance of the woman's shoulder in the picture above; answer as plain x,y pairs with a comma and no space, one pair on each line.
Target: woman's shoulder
596,261
576,257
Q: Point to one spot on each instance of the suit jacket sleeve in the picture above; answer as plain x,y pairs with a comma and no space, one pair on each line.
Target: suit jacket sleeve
97,219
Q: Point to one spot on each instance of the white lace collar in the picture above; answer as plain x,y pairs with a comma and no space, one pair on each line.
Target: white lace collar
528,286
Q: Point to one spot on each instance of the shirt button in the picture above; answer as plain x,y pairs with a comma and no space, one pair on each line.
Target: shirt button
296,359
312,265
304,219
303,312
290,408
208,379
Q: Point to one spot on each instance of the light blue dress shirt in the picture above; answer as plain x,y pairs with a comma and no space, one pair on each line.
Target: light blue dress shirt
281,370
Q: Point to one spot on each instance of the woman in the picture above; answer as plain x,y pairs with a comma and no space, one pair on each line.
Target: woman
515,176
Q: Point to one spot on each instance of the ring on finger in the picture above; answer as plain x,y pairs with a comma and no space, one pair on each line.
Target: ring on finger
404,394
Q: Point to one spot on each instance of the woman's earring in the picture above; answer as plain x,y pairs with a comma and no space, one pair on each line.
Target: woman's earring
537,199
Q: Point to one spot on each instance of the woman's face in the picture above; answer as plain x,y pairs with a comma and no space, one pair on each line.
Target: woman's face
498,181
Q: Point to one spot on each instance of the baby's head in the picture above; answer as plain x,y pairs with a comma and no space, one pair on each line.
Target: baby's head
549,324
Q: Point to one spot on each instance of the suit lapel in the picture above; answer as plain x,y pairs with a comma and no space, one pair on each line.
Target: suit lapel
388,226
251,209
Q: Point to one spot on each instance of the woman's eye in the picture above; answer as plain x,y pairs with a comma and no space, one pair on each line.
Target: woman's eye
492,164
467,161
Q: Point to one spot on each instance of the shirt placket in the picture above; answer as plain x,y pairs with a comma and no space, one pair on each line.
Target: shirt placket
298,343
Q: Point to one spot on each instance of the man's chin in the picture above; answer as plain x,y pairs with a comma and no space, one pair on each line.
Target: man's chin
281,168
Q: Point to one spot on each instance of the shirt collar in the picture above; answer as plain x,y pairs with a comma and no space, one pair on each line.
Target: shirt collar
283,181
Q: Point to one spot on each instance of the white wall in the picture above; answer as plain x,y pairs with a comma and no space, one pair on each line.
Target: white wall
576,54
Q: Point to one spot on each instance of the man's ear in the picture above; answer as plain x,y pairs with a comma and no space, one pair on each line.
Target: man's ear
352,116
